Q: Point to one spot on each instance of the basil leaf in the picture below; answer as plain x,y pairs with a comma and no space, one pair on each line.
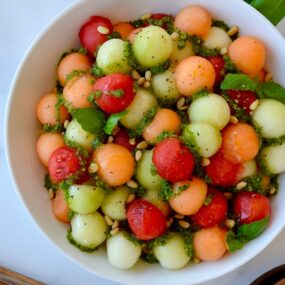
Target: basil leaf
113,121
252,230
271,90
273,10
91,120
238,82
234,243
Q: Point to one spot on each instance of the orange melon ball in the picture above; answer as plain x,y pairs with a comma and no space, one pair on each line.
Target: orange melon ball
240,143
46,110
124,29
189,201
210,244
77,90
248,53
131,37
73,61
116,164
194,20
47,143
164,120
193,74
60,207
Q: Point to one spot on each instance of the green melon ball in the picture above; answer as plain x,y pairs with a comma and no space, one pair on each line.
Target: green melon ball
152,46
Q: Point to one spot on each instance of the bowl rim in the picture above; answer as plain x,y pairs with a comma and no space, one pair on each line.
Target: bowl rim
17,187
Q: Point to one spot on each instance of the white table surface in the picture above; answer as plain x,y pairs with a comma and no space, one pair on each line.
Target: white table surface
22,247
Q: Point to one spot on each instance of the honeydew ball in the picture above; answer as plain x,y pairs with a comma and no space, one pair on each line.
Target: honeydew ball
114,203
273,157
144,173
212,109
206,137
143,102
85,199
122,253
75,133
217,38
249,168
270,117
89,229
179,54
172,255
164,86
112,57
152,46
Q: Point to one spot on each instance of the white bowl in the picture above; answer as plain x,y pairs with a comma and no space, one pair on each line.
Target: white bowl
36,76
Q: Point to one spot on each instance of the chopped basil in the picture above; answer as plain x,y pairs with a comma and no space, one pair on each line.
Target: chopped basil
117,93
220,24
74,73
271,90
238,82
91,120
245,233
112,122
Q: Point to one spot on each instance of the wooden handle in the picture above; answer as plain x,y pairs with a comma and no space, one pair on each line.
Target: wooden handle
14,278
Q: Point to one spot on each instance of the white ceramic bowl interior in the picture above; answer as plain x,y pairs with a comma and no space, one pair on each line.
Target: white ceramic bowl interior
36,76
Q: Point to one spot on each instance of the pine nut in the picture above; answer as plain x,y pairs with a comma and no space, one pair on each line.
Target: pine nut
136,75
115,225
51,194
108,220
65,124
114,231
103,30
93,167
130,198
241,185
142,145
180,103
132,141
229,223
228,195
146,84
146,16
272,190
223,51
138,155
233,30
184,224
174,36
115,131
196,259
148,75
268,77
254,105
234,120
110,139
178,217
141,81
169,222
132,184
205,161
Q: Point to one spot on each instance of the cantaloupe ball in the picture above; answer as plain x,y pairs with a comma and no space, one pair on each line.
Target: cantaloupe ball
164,120
124,29
194,20
77,90
193,74
248,53
189,201
240,143
73,61
132,35
46,110
210,244
47,144
116,164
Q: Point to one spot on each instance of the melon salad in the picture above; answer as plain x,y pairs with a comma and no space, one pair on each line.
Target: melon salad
162,139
